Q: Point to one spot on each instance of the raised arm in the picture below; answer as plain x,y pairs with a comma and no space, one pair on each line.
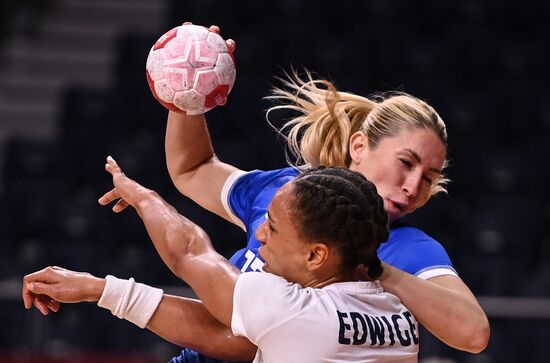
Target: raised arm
182,321
192,165
444,305
194,168
183,246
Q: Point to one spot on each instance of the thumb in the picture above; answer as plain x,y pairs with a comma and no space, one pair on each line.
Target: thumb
40,288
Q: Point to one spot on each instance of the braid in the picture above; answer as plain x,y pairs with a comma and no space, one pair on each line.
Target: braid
340,207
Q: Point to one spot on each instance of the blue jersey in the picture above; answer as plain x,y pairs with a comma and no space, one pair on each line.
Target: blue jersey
246,197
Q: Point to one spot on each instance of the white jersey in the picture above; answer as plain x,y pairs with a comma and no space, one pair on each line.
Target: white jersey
342,322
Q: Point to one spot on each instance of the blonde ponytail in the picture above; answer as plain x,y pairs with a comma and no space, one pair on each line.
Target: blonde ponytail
319,134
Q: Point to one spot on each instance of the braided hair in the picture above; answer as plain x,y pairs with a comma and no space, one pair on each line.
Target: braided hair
343,209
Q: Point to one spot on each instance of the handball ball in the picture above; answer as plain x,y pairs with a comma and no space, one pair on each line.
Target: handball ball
190,69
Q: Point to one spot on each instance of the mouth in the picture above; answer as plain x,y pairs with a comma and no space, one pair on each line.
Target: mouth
394,208
265,266
400,206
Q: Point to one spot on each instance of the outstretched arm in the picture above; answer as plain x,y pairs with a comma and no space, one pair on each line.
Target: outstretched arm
182,321
444,305
183,246
186,322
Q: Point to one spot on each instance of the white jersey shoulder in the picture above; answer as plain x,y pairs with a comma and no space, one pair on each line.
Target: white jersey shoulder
343,322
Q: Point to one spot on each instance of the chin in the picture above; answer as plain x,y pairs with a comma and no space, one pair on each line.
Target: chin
392,217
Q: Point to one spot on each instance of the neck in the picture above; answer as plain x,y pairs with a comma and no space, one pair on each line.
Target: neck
321,282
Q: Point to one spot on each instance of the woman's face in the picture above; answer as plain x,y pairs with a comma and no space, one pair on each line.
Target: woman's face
402,167
282,250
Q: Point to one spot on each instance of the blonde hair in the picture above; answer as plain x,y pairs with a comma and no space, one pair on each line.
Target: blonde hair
320,132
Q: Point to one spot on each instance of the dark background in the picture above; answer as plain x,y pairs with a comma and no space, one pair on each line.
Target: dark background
481,64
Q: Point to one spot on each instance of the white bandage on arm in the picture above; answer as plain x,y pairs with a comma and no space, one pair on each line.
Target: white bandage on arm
130,300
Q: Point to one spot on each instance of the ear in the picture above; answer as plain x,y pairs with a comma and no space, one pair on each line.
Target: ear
358,144
318,256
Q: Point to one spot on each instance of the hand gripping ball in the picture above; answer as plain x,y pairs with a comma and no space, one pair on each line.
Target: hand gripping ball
190,69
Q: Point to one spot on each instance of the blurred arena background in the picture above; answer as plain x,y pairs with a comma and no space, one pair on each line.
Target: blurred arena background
73,90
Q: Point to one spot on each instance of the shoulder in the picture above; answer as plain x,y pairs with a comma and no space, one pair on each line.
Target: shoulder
275,289
262,301
406,232
246,185
245,195
266,177
414,251
406,236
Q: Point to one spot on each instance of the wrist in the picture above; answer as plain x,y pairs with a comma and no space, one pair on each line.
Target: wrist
129,300
96,286
144,198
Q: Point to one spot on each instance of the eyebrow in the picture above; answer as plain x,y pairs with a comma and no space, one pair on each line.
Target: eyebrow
270,220
419,159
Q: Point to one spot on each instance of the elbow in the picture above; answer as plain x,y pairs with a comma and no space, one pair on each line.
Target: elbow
478,338
231,348
176,247
182,180
184,175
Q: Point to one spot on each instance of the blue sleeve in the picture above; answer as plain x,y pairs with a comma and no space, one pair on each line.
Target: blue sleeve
250,195
189,356
411,250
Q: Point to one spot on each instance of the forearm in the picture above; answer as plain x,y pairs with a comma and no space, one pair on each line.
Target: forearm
186,322
447,309
187,251
187,144
192,165
175,237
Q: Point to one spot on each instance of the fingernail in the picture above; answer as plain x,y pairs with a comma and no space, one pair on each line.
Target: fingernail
30,286
110,158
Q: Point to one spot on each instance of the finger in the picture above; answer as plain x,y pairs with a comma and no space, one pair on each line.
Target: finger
112,166
231,45
111,160
120,206
40,288
53,305
37,282
27,297
215,29
26,294
40,275
45,275
41,306
108,197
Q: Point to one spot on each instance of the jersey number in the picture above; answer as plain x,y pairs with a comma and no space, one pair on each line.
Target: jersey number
252,261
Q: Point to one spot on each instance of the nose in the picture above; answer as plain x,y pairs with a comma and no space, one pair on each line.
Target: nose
260,232
411,186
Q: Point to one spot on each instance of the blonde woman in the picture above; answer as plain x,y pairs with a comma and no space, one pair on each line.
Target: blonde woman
398,142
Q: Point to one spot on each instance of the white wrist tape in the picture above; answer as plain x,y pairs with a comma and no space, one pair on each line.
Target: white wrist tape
130,300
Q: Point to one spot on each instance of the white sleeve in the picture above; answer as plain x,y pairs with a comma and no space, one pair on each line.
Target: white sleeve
260,303
229,182
427,274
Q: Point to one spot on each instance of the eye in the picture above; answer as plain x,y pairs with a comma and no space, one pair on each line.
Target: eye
406,163
427,179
